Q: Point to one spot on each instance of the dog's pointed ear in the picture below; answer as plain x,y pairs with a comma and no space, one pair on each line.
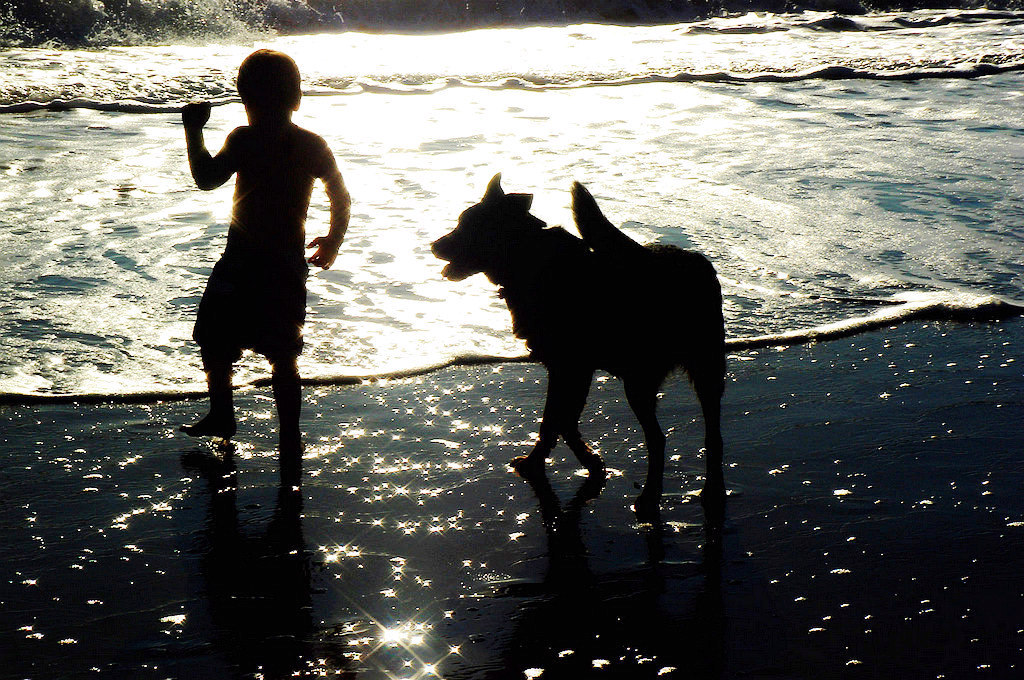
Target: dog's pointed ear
520,201
494,191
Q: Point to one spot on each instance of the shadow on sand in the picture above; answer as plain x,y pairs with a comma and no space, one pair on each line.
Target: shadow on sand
258,584
635,622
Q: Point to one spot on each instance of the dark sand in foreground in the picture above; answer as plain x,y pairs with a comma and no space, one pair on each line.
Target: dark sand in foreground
875,528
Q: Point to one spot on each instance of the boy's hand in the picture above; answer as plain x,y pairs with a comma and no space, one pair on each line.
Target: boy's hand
326,251
196,114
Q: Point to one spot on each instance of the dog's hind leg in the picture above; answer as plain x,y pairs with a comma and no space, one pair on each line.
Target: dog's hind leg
567,395
709,385
642,394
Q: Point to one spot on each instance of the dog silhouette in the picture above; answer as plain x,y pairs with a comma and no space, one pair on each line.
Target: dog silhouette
603,301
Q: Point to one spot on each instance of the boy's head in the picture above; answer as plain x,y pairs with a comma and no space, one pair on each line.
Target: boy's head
269,81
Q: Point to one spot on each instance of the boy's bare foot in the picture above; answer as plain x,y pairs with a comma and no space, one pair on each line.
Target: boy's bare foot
210,426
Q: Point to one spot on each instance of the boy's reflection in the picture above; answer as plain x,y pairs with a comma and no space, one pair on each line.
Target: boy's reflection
258,586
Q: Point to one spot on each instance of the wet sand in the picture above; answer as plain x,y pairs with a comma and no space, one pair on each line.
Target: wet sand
875,528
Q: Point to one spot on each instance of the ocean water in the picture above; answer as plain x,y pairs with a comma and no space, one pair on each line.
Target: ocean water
842,173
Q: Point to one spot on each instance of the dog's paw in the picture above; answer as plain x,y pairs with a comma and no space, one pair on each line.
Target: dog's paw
646,508
712,499
595,466
528,467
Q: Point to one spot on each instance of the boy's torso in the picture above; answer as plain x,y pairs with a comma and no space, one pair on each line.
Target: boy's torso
276,169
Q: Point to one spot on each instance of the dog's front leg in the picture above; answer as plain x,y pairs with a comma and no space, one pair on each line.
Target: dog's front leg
531,466
566,396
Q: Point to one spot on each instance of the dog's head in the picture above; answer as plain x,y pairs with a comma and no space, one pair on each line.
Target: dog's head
485,234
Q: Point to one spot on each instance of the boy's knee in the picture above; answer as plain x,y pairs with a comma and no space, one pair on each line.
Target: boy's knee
218,361
216,366
284,367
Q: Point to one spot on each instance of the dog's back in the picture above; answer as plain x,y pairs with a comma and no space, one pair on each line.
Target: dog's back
663,304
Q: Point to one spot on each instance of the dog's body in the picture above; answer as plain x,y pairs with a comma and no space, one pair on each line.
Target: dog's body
600,302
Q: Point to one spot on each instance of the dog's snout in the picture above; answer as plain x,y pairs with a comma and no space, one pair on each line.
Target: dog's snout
440,247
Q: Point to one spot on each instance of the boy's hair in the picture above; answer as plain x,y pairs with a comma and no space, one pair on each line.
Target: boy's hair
270,80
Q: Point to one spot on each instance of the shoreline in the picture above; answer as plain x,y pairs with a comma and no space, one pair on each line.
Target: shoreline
960,308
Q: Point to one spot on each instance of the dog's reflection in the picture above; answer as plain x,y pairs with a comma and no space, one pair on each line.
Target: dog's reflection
567,554
258,583
627,623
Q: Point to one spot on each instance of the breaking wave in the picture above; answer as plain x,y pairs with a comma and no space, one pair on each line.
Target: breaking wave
975,70
123,93
811,45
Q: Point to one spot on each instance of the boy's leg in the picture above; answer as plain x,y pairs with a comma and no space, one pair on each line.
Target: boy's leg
288,397
220,421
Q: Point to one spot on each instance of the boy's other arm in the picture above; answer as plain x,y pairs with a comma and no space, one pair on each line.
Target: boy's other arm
208,171
341,209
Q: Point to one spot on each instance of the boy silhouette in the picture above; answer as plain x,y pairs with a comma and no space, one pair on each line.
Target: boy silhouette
256,295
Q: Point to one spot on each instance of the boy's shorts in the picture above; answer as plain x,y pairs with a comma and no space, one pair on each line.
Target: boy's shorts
252,301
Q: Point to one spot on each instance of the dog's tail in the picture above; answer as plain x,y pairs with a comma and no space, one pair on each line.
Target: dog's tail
598,233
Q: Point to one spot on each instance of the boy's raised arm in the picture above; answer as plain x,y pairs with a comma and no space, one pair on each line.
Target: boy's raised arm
208,171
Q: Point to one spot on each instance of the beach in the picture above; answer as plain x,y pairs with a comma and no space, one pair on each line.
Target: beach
872,529
853,178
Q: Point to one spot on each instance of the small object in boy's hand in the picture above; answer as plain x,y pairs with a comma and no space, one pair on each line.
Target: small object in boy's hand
195,114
